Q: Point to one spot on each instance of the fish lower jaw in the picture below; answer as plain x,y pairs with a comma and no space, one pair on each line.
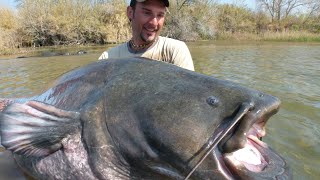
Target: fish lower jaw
248,157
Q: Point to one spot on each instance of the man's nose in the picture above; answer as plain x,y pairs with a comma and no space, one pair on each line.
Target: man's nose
154,21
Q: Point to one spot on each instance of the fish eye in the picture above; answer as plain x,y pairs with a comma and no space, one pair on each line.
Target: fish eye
213,101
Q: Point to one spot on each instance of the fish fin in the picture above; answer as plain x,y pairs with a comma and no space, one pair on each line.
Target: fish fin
35,128
4,103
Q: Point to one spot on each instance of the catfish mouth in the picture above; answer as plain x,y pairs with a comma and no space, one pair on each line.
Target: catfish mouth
253,158
235,148
253,155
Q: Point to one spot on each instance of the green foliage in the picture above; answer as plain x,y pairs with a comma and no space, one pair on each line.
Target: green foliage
190,20
312,24
294,36
235,19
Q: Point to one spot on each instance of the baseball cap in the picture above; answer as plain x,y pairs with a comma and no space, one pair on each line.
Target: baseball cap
133,2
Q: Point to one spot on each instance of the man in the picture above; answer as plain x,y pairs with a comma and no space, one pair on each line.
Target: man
147,19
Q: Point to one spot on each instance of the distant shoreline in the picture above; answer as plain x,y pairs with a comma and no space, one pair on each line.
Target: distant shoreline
298,37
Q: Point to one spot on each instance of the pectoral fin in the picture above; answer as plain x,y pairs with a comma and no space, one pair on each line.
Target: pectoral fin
35,128
4,103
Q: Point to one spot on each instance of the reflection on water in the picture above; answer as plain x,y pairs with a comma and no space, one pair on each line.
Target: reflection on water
24,77
289,71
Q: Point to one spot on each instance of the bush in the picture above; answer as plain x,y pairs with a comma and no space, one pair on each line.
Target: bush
8,34
62,22
190,20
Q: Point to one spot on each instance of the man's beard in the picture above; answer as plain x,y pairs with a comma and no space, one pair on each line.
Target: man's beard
146,40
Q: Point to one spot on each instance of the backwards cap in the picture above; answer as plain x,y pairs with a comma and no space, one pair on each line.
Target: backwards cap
133,2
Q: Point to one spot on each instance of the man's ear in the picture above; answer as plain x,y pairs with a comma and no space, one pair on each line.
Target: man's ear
130,13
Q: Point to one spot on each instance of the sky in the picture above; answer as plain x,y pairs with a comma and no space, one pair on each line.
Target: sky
248,3
7,3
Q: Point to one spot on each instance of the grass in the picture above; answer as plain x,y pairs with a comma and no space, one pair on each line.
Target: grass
295,36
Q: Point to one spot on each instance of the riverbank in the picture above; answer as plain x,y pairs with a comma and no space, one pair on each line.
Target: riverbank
46,51
300,36
292,36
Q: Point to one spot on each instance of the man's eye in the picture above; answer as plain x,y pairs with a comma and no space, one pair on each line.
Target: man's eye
160,16
148,13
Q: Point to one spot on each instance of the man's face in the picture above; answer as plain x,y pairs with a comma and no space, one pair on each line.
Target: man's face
147,20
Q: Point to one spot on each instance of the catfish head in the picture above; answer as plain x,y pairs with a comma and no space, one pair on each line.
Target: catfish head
141,119
191,120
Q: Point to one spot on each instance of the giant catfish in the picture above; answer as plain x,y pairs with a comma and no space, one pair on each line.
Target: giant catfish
141,119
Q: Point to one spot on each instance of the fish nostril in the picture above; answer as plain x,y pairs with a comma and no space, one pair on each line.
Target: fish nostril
251,106
213,101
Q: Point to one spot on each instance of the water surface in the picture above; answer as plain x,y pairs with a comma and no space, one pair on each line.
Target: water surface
290,71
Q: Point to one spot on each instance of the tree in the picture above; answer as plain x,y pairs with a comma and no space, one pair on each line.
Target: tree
281,10
191,19
8,29
65,22
233,19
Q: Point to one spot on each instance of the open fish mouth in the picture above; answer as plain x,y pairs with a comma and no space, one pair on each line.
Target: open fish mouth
255,159
250,156
237,149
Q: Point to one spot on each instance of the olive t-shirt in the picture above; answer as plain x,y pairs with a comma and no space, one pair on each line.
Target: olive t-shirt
164,49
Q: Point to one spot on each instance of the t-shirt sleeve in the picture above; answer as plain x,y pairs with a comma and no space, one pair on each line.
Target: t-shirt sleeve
120,51
182,57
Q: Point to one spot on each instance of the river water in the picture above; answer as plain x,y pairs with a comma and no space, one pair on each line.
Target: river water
289,71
